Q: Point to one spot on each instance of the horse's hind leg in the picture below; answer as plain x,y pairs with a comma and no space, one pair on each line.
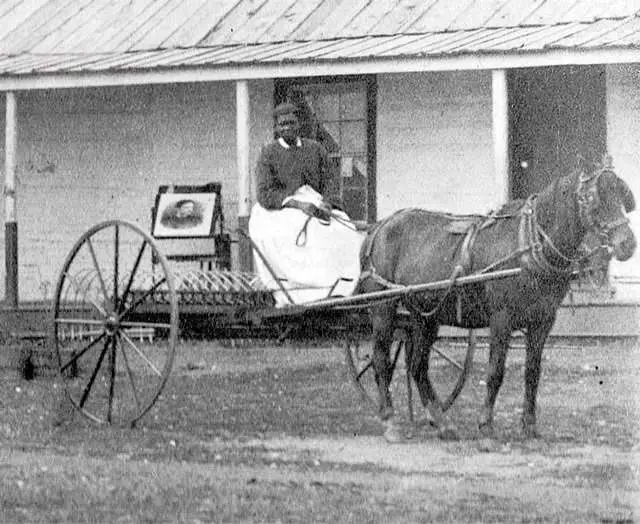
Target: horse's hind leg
424,335
382,319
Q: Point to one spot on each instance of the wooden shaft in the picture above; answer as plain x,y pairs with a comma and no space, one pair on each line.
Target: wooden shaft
389,294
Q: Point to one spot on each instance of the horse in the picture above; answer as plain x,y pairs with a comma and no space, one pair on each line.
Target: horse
543,235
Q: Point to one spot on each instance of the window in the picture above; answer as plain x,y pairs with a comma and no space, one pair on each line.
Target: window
340,113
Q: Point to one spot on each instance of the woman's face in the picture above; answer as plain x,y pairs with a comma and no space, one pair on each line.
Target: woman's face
288,127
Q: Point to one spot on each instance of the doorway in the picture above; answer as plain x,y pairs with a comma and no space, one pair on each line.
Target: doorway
339,112
555,114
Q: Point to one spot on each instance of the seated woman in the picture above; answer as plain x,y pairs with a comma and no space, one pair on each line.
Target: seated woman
296,223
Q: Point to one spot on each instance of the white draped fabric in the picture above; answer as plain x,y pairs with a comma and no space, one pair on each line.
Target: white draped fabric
307,255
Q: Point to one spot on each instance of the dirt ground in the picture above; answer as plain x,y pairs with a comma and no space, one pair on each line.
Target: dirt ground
262,433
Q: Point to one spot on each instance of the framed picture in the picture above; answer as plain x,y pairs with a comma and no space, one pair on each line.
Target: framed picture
186,211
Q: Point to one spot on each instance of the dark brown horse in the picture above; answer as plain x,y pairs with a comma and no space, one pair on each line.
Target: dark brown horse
541,235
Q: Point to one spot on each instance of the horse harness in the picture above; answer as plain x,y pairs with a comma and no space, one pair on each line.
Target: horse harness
532,239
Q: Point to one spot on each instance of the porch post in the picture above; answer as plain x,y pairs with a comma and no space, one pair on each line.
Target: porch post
500,125
10,221
244,173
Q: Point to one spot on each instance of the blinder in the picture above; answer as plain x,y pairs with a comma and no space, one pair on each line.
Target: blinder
589,202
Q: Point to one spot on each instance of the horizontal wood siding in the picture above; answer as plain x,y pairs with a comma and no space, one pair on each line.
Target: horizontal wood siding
435,142
623,136
96,154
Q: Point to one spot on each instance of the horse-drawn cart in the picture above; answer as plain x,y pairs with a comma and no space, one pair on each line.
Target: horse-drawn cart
117,317
119,305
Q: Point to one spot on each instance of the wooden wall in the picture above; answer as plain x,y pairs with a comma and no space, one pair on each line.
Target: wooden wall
94,154
434,142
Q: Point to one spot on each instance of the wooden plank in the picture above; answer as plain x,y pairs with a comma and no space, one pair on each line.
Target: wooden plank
293,20
231,29
42,22
158,29
196,29
270,14
81,27
402,16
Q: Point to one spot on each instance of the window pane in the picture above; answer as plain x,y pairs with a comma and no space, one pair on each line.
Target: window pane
326,106
355,202
354,137
353,105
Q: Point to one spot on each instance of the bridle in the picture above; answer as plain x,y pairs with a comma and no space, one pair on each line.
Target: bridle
588,205
534,239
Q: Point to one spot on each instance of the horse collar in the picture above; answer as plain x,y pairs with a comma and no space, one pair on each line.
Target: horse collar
532,239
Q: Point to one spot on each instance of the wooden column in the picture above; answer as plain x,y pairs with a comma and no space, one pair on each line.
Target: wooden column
10,220
244,171
500,104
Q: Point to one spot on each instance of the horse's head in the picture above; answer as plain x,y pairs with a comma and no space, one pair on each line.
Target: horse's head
603,199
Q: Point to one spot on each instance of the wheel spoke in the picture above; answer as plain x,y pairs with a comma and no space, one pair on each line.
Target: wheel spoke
157,325
82,352
127,289
97,267
112,377
100,309
87,389
142,298
74,321
116,269
448,358
364,370
141,354
130,376
98,329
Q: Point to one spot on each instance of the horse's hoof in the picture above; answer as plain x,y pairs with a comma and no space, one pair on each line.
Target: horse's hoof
448,433
394,435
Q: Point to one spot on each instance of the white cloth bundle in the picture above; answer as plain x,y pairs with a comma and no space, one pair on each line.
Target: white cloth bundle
307,255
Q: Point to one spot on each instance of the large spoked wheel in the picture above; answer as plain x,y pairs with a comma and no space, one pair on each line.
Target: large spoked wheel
358,357
114,352
449,367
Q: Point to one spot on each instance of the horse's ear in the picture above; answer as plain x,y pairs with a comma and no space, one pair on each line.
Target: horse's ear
628,200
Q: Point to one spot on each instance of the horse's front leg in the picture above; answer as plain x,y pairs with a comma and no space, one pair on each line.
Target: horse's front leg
500,336
536,336
382,322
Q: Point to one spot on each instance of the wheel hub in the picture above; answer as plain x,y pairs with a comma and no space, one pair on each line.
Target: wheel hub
111,324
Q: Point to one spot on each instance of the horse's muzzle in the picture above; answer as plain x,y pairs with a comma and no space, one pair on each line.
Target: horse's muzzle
623,244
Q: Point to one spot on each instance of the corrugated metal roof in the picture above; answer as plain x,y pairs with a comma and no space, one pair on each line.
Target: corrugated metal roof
45,36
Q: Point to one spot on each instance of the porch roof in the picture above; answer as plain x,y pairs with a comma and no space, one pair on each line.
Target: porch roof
64,42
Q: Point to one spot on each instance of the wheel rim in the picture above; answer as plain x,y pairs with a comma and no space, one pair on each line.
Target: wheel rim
358,354
103,328
449,366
